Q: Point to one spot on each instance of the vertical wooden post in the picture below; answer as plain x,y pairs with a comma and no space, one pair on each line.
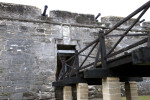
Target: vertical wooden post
77,63
148,43
102,50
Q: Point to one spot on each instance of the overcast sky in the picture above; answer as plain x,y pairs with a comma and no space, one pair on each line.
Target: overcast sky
105,7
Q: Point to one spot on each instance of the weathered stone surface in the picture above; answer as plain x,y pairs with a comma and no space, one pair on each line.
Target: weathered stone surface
28,48
82,91
131,91
67,93
111,88
112,20
68,17
18,11
146,25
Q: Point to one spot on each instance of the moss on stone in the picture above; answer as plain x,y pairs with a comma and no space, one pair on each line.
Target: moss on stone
99,24
4,94
1,70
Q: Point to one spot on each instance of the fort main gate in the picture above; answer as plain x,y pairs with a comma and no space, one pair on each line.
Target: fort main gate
128,64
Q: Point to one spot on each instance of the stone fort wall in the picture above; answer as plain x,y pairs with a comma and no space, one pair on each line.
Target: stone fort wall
28,47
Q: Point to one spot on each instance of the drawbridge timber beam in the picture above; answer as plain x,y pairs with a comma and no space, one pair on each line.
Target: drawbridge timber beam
128,67
75,80
135,64
90,81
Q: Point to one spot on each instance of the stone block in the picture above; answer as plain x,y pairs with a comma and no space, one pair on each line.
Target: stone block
3,27
131,91
111,88
112,97
8,89
65,17
23,28
40,30
110,79
21,90
146,25
18,11
67,93
82,91
112,20
111,84
4,97
16,96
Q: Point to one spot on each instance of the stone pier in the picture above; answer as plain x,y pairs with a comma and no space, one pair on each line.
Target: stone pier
131,91
67,93
111,88
82,91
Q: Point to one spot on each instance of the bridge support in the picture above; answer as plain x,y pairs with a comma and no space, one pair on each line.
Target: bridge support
82,91
131,91
67,93
111,88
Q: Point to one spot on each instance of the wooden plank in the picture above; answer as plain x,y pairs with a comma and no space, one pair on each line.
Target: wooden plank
97,73
74,80
58,83
140,56
127,79
93,81
129,71
120,61
129,47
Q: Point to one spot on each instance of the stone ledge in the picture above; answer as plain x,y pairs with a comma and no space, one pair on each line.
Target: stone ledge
18,11
112,20
69,17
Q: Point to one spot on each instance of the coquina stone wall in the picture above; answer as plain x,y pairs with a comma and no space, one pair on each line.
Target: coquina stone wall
28,47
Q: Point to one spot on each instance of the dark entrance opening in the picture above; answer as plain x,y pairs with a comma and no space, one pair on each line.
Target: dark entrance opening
64,52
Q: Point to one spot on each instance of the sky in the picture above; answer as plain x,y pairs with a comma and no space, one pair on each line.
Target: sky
120,8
